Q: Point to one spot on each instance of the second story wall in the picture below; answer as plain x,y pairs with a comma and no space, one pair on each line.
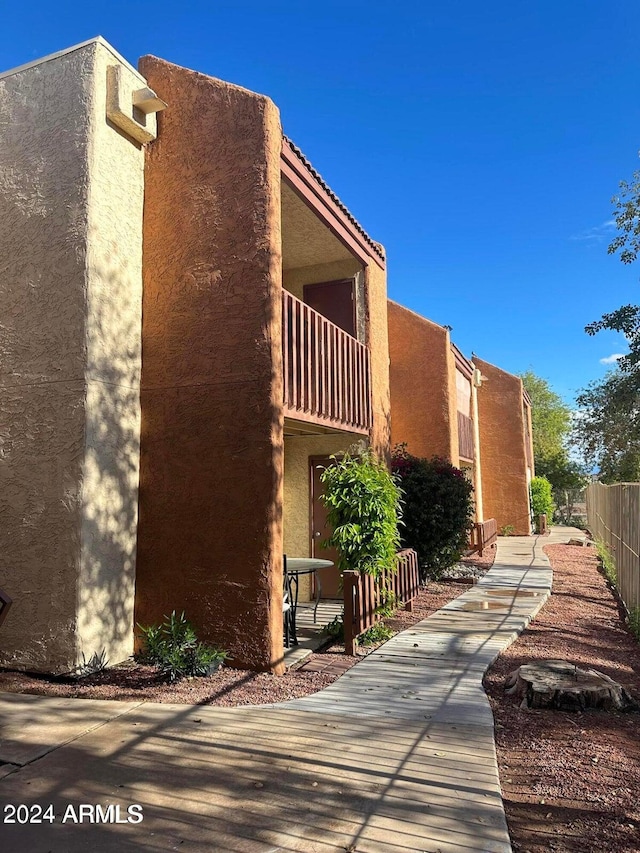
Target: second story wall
505,481
423,385
210,538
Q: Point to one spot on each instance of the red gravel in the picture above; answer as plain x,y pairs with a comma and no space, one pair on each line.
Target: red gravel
130,681
571,781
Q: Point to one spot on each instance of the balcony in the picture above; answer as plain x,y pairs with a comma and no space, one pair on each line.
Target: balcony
327,373
465,437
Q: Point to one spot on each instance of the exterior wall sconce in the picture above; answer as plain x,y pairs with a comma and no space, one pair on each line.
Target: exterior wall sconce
131,108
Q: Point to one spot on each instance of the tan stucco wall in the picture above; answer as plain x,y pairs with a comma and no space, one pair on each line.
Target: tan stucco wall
375,286
423,385
297,493
210,533
106,584
70,207
504,467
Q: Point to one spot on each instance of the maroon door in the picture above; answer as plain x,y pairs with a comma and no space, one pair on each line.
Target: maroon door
329,578
335,301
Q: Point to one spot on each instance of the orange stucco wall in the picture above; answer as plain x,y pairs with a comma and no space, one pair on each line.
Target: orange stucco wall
423,385
505,488
210,533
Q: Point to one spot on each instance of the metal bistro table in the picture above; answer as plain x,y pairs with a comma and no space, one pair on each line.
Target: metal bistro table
293,568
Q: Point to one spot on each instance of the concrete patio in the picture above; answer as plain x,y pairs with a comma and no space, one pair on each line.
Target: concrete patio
397,755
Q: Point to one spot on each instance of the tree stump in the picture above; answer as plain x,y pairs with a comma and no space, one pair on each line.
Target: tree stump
561,685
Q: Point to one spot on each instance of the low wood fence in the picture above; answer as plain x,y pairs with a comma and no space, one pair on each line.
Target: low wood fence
613,515
364,594
484,534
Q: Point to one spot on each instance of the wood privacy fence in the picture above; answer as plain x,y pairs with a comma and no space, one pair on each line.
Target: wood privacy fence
484,534
613,514
363,595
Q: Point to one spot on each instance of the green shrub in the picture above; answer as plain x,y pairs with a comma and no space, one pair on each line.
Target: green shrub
541,500
437,510
507,530
335,628
174,648
606,558
378,633
634,622
363,510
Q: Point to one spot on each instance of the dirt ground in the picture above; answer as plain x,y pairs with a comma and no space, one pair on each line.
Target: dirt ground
571,781
228,687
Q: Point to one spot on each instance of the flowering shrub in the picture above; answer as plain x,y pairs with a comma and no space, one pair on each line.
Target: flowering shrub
437,509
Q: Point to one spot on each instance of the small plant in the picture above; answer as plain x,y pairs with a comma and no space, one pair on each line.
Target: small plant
541,500
389,603
335,628
174,648
507,530
606,560
634,622
96,663
378,633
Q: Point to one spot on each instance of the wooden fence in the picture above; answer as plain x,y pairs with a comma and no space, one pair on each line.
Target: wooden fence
613,515
363,595
484,534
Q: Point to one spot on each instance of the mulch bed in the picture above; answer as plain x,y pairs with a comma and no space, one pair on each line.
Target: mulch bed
228,687
571,781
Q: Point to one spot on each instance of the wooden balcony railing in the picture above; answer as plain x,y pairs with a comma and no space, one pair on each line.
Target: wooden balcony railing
465,436
327,374
363,595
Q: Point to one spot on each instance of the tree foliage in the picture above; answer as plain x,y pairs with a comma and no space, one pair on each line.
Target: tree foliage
438,509
550,420
363,511
607,428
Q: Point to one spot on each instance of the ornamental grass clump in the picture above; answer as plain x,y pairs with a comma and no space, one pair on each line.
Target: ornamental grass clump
363,511
175,649
437,510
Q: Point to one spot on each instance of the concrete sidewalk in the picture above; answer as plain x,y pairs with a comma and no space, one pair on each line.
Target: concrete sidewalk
397,755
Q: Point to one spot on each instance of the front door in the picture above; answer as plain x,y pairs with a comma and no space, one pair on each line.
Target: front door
335,301
330,578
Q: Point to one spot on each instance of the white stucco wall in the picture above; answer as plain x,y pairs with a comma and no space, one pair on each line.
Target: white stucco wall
71,191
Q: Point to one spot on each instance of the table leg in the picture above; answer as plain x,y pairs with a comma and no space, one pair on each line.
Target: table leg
316,574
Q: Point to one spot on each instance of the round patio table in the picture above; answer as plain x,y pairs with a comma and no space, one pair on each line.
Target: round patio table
293,568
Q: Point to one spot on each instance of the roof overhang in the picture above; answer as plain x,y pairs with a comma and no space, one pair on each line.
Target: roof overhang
305,181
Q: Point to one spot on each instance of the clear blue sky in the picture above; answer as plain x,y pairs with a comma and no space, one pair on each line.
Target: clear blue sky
479,142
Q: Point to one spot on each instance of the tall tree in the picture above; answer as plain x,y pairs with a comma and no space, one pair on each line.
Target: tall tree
625,319
550,421
607,427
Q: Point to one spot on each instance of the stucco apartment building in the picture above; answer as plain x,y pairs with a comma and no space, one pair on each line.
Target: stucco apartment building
192,324
467,411
434,395
504,417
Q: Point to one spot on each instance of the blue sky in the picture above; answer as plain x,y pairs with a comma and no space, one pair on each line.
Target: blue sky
479,142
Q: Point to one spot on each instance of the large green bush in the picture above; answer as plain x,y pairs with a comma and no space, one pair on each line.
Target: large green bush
541,500
437,509
363,510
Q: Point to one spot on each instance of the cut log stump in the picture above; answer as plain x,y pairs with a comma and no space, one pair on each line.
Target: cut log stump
561,685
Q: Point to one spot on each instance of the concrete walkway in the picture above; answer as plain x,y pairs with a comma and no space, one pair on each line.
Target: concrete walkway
397,755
